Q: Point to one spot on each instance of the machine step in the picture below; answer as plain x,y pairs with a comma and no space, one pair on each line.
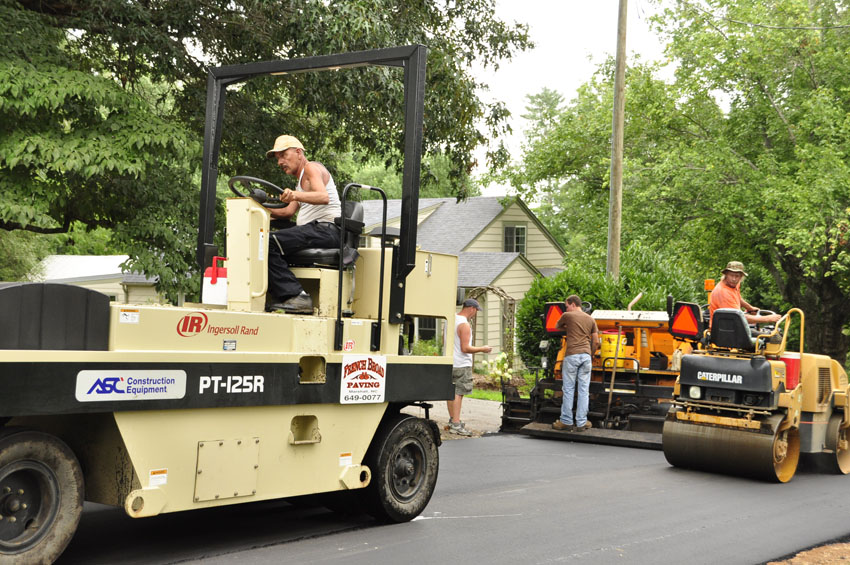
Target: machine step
641,440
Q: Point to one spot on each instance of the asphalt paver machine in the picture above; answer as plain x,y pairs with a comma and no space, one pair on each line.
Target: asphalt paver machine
156,408
631,382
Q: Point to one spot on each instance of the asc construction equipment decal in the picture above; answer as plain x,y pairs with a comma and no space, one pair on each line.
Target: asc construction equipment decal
363,379
101,386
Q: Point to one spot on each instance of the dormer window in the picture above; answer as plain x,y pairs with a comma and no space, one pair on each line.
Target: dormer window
515,239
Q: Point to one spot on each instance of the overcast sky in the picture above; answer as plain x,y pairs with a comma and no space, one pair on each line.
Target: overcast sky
572,37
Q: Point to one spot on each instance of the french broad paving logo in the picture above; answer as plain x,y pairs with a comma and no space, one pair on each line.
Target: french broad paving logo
363,379
108,386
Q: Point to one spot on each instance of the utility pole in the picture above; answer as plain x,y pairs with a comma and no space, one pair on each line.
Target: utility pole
615,205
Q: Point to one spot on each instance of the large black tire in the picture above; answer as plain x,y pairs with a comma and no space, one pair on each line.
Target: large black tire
41,496
404,461
837,441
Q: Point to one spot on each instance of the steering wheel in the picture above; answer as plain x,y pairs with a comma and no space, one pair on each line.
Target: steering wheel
258,194
764,327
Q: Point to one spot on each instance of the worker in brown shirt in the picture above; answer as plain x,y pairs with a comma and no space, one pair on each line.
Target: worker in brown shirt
582,337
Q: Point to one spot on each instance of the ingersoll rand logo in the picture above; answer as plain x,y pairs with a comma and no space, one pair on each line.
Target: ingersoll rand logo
192,324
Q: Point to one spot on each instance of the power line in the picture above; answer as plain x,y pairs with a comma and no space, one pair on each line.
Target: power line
765,26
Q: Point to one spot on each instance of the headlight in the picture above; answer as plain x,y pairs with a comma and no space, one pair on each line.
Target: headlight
695,392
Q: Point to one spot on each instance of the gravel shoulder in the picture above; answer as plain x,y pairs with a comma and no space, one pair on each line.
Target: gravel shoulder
481,417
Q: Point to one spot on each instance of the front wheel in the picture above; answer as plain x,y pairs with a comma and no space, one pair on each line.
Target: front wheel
41,496
404,461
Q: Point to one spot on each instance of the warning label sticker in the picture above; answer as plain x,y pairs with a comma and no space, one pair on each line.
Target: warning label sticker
128,316
158,477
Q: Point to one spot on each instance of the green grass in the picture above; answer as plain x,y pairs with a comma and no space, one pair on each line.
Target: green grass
486,394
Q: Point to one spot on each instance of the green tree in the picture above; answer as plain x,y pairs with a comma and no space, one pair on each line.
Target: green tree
102,104
435,173
743,156
771,179
20,255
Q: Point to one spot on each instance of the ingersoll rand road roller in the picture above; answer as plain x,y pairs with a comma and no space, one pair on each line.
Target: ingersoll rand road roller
743,405
157,408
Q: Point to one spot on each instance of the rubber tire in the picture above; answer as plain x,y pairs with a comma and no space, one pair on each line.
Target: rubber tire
839,458
401,441
45,458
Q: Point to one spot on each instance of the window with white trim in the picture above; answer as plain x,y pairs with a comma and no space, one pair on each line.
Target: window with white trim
515,239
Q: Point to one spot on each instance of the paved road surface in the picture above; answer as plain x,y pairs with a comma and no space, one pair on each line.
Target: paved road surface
508,499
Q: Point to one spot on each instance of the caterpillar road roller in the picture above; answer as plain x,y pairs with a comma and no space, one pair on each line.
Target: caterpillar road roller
745,406
156,408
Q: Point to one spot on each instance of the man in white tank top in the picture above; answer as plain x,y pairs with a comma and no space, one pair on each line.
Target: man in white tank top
462,366
317,203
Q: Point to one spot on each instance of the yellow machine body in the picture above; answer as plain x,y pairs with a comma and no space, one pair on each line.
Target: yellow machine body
253,413
750,409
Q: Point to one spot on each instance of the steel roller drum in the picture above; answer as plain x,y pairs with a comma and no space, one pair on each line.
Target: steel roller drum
771,456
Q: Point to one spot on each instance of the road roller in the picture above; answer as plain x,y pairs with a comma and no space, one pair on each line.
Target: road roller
745,406
156,408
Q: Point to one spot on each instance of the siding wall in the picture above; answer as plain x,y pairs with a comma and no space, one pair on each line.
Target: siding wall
142,294
539,250
138,294
110,287
515,281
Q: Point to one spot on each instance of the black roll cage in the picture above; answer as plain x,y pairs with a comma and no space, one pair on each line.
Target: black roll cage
413,59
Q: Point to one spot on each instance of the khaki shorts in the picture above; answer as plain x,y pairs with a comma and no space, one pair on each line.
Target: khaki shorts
462,379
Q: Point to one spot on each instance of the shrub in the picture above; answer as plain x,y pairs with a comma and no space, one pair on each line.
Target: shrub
426,347
642,270
498,369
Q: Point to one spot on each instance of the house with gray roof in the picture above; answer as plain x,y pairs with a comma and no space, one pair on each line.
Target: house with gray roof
102,273
501,247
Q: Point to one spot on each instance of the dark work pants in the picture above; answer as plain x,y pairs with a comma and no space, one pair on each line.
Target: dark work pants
282,283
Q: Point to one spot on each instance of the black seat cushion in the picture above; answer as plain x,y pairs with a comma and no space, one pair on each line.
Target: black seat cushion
330,257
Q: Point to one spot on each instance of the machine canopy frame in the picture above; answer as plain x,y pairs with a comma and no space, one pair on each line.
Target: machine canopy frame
412,58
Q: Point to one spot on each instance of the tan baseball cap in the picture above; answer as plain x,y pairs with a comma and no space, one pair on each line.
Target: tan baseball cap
283,143
735,267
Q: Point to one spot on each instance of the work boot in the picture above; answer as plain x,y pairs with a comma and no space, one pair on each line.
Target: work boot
459,428
300,304
559,425
587,425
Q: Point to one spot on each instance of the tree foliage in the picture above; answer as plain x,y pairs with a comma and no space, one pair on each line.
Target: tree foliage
435,174
652,274
744,156
102,104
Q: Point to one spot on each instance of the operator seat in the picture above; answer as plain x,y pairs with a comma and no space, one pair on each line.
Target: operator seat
329,257
730,330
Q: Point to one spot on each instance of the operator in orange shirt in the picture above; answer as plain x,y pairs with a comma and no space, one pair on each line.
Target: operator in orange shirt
727,294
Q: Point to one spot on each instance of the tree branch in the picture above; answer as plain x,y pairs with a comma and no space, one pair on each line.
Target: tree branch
778,111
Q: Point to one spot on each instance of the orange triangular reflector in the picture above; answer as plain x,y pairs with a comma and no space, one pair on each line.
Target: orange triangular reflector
685,323
553,314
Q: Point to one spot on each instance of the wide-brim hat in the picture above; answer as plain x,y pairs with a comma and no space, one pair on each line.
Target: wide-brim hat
735,267
283,143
